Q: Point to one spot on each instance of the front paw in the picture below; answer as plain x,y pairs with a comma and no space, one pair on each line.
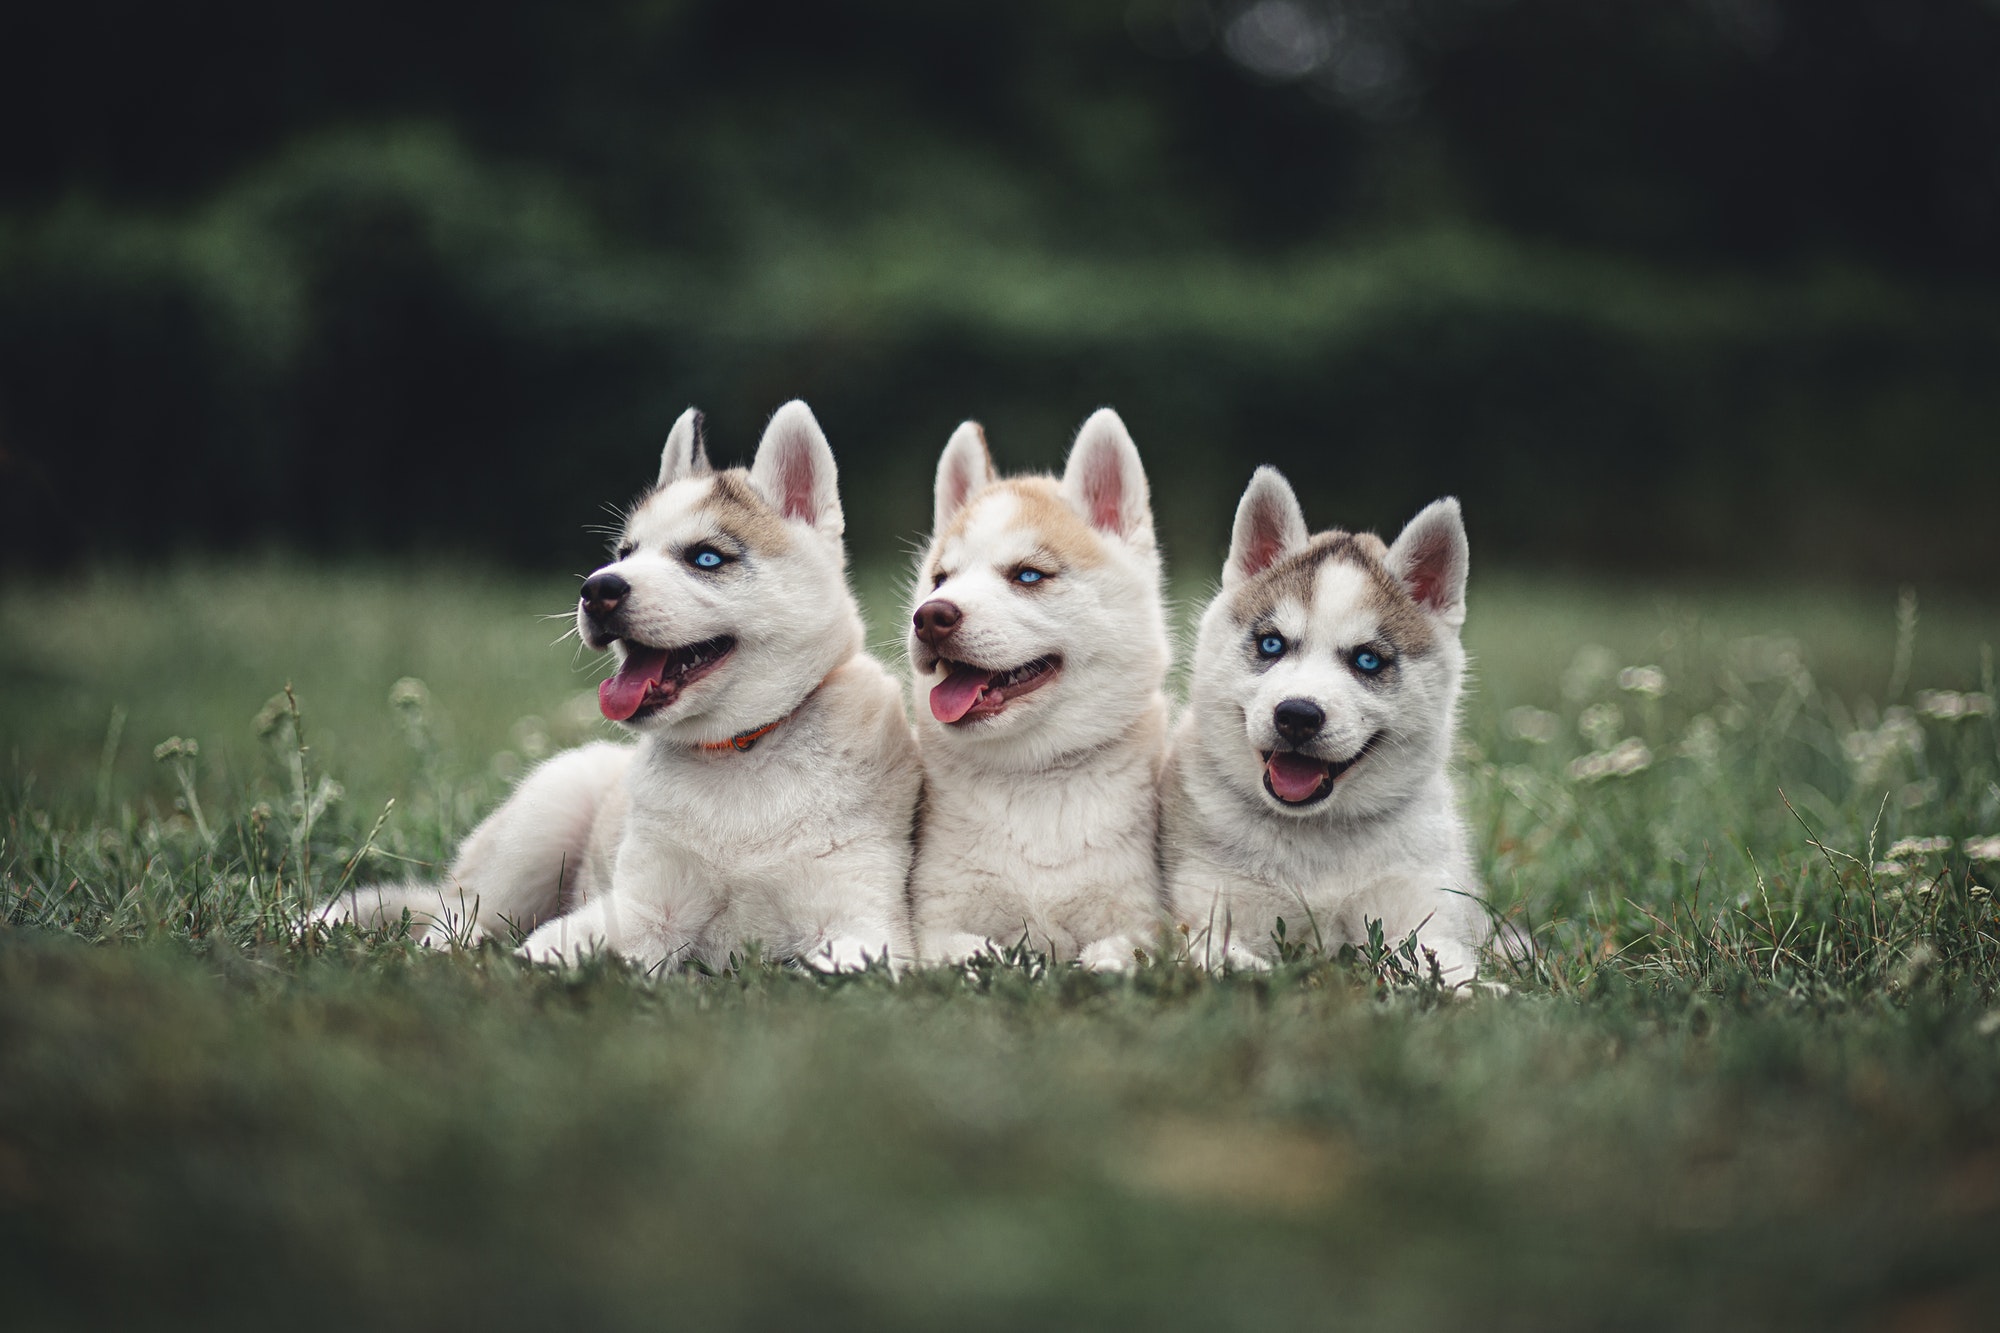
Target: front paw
952,947
1238,958
558,942
1115,953
845,953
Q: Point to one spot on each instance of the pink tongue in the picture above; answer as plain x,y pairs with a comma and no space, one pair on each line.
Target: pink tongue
953,697
621,696
1293,776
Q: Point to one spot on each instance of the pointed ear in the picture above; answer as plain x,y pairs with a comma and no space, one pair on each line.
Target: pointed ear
686,454
794,469
1431,558
1269,525
964,470
1104,481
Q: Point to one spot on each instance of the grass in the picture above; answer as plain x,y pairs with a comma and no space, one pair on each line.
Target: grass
1751,1081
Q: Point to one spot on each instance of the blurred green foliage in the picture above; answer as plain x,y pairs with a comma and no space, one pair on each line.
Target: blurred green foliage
1695,283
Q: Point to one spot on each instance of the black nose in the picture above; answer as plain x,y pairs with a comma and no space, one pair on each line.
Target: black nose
1298,720
602,593
935,620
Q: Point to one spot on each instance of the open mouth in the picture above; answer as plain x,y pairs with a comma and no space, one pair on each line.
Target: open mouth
1300,779
653,678
968,693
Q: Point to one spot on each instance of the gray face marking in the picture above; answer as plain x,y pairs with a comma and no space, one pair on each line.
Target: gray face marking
1402,624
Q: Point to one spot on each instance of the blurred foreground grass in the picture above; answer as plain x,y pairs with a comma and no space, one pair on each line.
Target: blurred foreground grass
1752,1081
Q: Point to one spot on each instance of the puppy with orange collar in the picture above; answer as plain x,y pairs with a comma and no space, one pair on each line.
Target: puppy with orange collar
770,794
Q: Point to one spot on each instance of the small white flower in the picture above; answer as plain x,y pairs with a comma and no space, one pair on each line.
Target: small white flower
1950,705
1983,849
1647,680
1622,760
1534,725
1601,724
1890,870
1872,750
409,692
1919,846
1703,742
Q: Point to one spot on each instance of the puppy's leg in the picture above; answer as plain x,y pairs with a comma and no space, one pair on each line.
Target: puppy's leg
522,865
848,910
657,908
516,868
439,913
954,946
1113,953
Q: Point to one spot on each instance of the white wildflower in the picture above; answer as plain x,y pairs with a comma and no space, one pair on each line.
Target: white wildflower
1703,742
1647,680
1889,870
409,692
1919,846
1622,760
1601,723
1983,849
1872,750
1950,705
1536,726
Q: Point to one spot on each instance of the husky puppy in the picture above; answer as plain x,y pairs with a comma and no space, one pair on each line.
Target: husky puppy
771,794
1039,646
1307,779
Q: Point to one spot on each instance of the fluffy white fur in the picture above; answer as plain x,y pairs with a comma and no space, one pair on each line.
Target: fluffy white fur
664,851
1042,821
1388,843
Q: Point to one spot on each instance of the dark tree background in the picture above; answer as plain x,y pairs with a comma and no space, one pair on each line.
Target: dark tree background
1660,283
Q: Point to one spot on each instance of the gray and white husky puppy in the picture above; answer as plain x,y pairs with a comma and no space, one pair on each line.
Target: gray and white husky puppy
1307,779
1038,647
771,793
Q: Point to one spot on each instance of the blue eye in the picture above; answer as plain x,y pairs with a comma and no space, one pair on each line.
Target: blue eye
705,557
1271,645
1028,576
1367,661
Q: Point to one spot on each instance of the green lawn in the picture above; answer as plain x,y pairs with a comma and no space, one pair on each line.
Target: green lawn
1753,1080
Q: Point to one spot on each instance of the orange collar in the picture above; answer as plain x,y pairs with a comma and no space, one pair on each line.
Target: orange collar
744,740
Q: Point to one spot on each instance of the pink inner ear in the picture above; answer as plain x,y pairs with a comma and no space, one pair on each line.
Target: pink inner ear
1104,487
1426,580
1263,550
1266,541
796,484
957,485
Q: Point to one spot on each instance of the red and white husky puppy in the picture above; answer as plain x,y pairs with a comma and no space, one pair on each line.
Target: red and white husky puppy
772,789
1039,647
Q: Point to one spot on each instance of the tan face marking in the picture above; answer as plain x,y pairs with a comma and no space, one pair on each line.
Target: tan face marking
744,514
1060,533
